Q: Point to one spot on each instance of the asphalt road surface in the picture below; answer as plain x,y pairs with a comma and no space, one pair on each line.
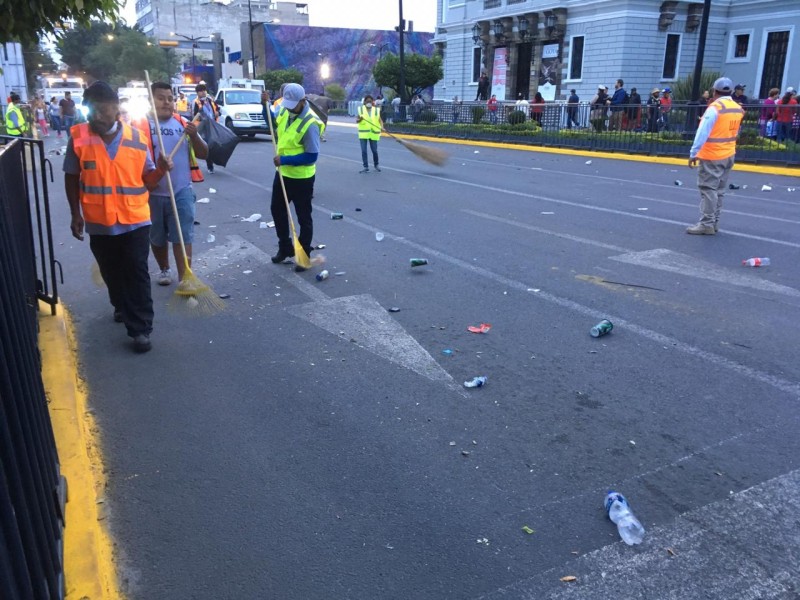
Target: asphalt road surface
308,444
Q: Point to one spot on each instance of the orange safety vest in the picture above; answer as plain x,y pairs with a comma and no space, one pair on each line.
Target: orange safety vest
197,103
143,125
721,142
112,191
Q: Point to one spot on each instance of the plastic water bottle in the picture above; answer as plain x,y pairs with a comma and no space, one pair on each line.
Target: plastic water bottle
476,382
629,527
756,262
322,275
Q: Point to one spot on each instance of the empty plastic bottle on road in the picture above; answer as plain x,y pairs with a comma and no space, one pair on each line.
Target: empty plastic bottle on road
756,262
322,275
629,527
476,382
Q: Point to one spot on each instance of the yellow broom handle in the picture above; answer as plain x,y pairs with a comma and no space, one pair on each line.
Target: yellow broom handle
280,175
183,138
169,179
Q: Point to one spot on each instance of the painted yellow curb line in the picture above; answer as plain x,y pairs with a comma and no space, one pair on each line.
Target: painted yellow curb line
89,572
661,160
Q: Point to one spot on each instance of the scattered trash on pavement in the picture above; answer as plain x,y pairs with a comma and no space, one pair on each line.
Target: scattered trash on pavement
224,296
641,209
394,309
756,262
671,552
629,527
418,262
476,382
211,238
789,189
527,529
247,272
212,191
447,352
588,162
482,328
319,246
547,213
602,328
569,578
465,453
483,541
203,200
340,273
678,182
337,216
379,236
766,188
733,186
192,302
477,152
252,218
322,275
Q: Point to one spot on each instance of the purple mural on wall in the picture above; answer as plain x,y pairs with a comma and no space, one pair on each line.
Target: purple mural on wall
350,54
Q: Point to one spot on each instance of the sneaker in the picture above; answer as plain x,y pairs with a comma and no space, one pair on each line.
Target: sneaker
282,256
141,343
165,277
364,170
118,316
210,169
377,168
701,229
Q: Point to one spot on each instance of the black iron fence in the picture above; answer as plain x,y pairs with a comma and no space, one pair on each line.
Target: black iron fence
32,490
631,129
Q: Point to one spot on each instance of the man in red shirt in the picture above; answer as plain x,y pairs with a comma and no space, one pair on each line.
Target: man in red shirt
785,110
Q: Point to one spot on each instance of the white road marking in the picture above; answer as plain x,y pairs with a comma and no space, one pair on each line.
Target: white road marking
362,319
715,555
359,317
683,264
725,211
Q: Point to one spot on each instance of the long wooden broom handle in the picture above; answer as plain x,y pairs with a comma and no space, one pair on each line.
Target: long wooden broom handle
183,137
280,175
169,179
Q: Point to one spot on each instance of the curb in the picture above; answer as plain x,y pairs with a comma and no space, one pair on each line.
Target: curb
89,571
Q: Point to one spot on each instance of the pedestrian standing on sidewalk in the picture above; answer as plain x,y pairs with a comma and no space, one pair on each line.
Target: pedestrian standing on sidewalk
67,108
55,116
164,230
370,126
15,120
204,104
298,131
107,174
714,149
41,117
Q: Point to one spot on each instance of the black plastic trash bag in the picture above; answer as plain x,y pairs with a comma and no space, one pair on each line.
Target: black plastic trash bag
221,141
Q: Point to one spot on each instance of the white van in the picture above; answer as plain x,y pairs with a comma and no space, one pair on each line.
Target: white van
244,84
241,111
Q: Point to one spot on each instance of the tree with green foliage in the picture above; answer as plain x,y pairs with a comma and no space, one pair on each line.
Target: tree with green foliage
122,58
420,71
335,92
273,80
29,20
682,89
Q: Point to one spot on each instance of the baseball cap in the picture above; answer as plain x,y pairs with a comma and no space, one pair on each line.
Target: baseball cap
99,91
790,90
293,93
740,86
723,84
667,89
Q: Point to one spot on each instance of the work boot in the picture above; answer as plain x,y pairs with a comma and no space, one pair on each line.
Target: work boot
282,255
701,229
377,168
141,343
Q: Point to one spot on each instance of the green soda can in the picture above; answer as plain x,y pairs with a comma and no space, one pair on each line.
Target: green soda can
418,262
337,216
603,327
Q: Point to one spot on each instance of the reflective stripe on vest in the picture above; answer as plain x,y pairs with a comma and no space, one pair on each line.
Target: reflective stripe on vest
369,127
290,142
721,142
23,126
112,191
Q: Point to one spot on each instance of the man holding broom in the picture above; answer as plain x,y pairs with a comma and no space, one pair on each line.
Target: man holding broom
164,231
298,131
108,172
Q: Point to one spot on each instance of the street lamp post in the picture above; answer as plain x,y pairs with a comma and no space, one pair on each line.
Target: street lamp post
252,69
194,41
401,31
380,58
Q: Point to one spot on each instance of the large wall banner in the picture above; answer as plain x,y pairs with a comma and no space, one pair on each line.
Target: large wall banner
550,71
499,73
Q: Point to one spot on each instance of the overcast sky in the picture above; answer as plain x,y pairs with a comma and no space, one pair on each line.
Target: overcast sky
358,14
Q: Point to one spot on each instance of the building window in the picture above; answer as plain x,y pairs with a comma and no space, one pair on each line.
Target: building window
740,43
671,53
576,57
742,46
489,4
302,9
476,64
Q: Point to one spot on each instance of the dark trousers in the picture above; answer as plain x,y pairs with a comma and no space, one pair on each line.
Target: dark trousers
300,192
373,146
123,264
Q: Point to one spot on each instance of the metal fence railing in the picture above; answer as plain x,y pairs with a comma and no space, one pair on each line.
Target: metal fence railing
32,490
631,129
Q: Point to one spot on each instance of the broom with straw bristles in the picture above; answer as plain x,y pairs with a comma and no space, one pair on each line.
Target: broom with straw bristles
192,296
433,156
300,257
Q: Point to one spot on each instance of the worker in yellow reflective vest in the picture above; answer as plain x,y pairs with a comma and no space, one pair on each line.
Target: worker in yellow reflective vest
370,126
298,131
714,150
15,120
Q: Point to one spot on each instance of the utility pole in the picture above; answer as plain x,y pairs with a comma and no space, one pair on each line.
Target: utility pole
252,58
701,50
401,32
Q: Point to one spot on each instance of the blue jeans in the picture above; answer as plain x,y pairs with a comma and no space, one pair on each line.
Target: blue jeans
493,117
373,145
69,120
55,121
784,131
